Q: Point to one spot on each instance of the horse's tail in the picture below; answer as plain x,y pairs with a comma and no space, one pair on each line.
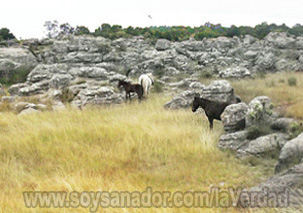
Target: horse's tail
143,84
142,90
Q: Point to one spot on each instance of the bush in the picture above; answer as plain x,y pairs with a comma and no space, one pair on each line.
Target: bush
15,76
67,96
159,72
292,81
256,131
158,87
206,74
295,130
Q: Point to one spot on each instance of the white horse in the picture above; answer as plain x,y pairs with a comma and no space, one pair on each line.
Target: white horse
146,81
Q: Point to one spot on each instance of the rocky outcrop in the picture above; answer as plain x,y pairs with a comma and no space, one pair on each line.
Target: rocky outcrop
95,95
235,72
281,190
291,154
232,141
261,133
219,90
183,100
13,58
233,117
162,44
282,124
260,111
264,146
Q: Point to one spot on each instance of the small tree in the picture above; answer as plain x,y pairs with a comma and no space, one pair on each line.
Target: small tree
5,34
81,30
52,28
66,29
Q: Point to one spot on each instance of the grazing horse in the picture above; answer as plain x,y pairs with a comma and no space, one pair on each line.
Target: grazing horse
146,81
213,109
131,88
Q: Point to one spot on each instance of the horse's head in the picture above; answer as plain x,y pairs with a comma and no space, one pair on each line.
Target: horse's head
196,103
120,83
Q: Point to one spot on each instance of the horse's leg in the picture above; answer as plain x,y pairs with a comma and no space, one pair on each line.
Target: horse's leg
210,122
140,94
126,96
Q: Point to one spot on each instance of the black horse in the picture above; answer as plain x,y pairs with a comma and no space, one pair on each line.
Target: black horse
213,109
131,88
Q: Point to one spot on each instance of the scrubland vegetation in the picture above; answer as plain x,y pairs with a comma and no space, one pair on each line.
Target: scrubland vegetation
130,147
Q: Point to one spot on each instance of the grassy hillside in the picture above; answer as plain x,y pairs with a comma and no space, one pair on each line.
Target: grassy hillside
127,147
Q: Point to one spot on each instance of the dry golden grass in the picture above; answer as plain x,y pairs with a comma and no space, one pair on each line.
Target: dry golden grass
127,147
289,99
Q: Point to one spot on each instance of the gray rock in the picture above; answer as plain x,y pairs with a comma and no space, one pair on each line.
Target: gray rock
180,84
266,61
282,124
284,64
28,111
263,146
287,187
260,110
235,72
20,106
220,91
36,88
44,72
8,99
299,43
281,40
248,40
18,55
233,117
232,141
196,85
162,44
58,106
54,94
60,81
183,100
291,153
14,89
95,95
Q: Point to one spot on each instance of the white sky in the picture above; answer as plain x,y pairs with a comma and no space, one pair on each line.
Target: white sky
25,18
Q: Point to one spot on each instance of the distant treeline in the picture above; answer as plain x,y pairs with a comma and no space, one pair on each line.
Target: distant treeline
174,33
181,33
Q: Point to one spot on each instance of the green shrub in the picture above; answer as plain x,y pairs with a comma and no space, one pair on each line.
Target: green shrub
15,76
158,87
292,81
159,72
256,131
67,96
295,129
206,74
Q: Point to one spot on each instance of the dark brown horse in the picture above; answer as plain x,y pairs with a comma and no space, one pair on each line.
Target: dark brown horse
131,88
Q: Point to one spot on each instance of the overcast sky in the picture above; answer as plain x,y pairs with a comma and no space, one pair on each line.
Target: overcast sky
25,18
